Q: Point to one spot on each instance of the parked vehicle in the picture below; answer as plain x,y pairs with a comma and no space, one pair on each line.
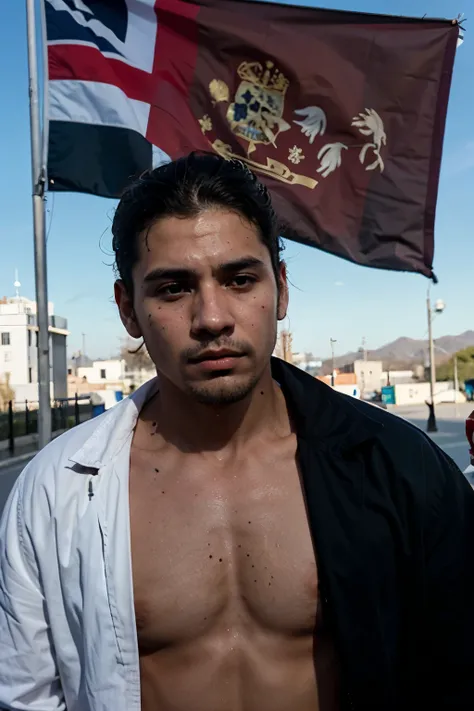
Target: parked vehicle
469,472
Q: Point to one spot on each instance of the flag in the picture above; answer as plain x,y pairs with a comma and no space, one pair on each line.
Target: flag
341,114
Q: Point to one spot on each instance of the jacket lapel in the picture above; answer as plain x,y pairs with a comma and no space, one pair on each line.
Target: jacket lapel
333,438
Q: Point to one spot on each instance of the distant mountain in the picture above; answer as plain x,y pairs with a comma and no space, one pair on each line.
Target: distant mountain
453,344
405,352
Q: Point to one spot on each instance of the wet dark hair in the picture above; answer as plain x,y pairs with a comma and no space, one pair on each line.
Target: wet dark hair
184,188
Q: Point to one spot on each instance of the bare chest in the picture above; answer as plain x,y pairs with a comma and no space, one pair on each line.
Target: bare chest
218,545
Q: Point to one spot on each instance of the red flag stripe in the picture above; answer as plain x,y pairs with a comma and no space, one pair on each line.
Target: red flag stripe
174,67
78,62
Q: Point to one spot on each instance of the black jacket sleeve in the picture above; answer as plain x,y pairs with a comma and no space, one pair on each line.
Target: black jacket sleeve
448,624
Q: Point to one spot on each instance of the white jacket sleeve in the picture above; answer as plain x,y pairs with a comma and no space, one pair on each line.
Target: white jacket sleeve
29,680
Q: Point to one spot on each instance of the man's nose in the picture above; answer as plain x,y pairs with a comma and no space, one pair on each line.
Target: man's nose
211,312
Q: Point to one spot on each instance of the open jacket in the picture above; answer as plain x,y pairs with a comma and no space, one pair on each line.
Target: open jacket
392,519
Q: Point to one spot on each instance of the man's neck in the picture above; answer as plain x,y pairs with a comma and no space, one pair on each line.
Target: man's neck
195,427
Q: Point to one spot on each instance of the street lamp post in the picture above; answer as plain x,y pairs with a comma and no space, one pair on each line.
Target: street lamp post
332,342
438,309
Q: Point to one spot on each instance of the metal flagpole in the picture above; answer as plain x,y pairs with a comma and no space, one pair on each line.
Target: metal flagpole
38,180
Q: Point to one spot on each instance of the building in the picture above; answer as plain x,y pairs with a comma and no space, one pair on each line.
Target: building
135,377
105,372
342,382
111,374
307,362
304,361
397,377
85,376
339,379
368,373
283,346
19,348
416,393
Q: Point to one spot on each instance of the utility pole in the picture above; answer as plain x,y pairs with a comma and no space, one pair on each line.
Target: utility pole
364,374
287,346
438,308
83,347
431,426
456,385
332,341
38,181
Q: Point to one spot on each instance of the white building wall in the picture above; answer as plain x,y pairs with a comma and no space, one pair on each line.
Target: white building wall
20,357
21,305
417,393
136,378
352,390
396,376
33,355
29,392
114,371
368,374
14,357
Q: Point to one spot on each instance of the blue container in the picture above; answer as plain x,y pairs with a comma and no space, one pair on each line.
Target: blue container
388,395
469,388
98,409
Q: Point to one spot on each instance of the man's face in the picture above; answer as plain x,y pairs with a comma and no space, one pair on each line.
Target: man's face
206,303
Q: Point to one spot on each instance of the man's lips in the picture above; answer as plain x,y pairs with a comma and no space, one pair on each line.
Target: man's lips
216,360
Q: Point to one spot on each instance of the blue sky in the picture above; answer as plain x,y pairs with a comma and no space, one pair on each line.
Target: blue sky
330,297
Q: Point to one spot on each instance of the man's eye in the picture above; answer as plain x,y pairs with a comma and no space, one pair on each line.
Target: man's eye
242,280
171,290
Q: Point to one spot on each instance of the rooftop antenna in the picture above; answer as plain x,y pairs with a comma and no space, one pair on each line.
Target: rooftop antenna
17,286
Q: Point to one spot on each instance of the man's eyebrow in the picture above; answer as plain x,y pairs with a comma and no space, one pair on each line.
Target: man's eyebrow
172,273
239,264
182,273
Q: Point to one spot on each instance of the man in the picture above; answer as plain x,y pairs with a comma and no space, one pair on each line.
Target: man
236,535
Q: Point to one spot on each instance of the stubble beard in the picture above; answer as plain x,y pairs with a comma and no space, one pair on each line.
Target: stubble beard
218,392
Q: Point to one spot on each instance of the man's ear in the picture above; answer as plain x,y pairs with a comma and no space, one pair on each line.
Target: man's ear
126,310
283,295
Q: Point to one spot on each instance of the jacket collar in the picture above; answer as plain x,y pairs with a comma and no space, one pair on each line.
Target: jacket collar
334,421
113,429
322,415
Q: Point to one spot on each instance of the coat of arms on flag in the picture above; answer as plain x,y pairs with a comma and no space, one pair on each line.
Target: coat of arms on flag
256,115
300,94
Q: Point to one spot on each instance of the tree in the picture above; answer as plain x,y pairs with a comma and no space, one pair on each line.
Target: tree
465,366
136,359
6,392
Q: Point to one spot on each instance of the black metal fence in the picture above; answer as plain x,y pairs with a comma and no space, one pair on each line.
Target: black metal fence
19,425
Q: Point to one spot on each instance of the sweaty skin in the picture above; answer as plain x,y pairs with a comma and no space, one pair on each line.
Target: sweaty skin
226,585
224,568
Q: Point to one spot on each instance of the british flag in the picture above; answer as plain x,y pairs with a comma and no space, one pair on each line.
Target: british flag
341,114
103,76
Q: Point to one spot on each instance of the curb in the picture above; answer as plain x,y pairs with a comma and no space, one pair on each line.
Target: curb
16,460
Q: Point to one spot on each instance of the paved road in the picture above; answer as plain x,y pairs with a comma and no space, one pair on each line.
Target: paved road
451,420
8,477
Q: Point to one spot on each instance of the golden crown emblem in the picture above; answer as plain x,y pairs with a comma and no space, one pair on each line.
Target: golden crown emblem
268,77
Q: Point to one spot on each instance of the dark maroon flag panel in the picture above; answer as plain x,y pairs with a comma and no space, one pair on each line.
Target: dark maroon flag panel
341,114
